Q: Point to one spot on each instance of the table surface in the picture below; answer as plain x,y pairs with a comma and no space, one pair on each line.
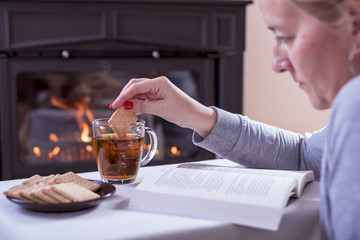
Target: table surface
112,219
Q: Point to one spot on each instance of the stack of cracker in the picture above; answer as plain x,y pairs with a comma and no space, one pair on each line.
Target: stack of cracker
59,188
120,121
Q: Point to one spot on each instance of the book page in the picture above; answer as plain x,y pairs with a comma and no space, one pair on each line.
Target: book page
301,177
221,185
245,199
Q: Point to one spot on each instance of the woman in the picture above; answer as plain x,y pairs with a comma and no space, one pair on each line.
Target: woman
317,42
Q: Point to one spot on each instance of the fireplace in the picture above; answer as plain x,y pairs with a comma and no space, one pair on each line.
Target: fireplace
63,63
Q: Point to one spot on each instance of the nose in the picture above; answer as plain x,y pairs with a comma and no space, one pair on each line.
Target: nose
281,62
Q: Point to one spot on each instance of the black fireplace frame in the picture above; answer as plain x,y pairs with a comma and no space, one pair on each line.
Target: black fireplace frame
160,31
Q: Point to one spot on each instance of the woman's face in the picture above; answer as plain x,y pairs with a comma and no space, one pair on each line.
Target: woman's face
315,53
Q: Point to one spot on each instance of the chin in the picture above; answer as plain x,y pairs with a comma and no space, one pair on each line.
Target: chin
319,104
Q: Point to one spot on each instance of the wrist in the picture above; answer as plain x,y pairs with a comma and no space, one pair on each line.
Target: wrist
205,121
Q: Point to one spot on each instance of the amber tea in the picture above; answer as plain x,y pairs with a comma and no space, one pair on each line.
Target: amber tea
118,158
118,154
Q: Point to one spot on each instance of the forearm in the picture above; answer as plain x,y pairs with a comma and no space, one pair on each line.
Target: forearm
255,144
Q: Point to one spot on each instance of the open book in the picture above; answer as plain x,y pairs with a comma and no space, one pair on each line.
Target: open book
249,197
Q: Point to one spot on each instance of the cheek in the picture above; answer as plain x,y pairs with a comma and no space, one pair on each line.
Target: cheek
317,57
307,59
323,66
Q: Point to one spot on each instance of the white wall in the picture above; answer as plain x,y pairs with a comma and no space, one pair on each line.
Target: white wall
271,97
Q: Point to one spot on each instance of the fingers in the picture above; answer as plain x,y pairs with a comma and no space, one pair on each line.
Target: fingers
125,94
162,98
142,88
159,97
133,81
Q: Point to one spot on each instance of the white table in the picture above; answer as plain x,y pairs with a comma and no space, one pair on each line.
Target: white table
113,220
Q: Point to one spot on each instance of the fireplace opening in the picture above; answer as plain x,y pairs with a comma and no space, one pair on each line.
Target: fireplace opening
55,100
55,110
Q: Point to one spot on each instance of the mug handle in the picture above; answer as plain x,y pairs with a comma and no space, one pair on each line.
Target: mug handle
153,146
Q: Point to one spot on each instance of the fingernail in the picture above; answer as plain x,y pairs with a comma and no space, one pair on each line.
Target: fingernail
110,106
129,105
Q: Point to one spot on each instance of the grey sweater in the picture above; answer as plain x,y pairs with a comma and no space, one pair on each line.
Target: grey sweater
333,153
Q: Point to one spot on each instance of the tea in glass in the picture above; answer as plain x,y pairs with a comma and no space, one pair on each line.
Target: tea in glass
119,157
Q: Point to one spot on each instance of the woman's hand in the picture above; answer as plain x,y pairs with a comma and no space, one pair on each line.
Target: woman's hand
160,97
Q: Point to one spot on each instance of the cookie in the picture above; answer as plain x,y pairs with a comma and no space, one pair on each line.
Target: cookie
14,192
55,189
40,196
120,121
51,193
33,180
74,192
72,177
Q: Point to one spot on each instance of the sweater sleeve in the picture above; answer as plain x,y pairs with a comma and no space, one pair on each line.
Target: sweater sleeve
254,144
341,174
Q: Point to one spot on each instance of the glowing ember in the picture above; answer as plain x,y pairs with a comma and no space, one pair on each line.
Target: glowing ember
174,151
147,147
89,148
54,152
53,137
37,151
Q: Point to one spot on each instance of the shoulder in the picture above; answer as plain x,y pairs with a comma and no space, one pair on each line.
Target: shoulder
345,115
349,93
348,96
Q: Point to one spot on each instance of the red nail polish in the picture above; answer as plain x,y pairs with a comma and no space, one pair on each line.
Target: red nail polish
129,105
110,106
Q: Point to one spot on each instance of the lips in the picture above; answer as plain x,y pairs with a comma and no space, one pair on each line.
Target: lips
300,84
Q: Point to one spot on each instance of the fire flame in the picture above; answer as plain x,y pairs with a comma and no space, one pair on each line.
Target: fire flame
83,115
82,109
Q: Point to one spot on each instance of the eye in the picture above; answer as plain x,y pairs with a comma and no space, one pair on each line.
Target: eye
287,40
283,39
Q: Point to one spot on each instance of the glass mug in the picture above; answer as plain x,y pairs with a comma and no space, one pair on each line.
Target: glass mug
119,158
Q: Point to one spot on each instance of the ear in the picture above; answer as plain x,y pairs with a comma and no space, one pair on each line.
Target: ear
356,23
354,13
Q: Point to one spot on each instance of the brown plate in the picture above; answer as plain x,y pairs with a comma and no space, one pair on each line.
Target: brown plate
106,190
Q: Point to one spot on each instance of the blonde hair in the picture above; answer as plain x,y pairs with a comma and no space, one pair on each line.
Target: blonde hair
328,11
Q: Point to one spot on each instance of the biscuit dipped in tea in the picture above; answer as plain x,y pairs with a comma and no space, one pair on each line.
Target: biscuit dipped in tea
120,121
